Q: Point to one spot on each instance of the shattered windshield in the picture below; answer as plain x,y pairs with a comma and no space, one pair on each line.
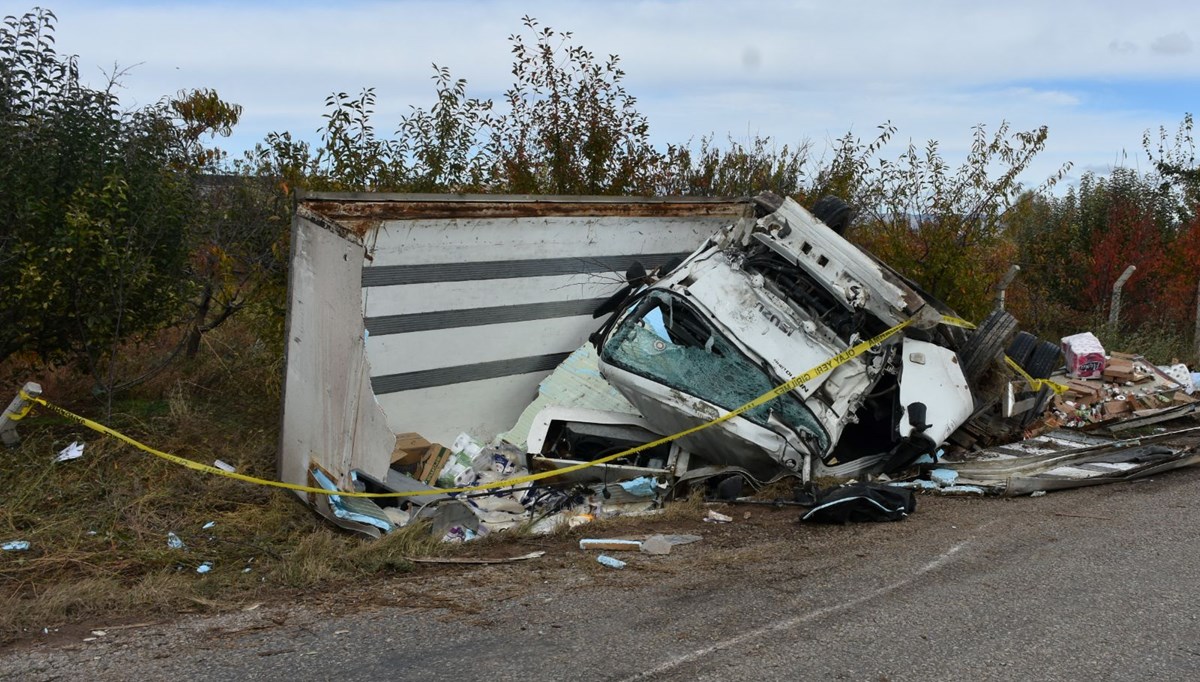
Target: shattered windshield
664,340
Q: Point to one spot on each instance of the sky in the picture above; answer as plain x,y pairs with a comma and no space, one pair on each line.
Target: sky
1098,74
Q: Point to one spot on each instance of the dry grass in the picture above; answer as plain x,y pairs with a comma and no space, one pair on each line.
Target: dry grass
98,525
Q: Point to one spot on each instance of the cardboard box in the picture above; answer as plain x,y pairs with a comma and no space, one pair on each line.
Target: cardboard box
1119,369
1115,408
1085,392
432,462
409,449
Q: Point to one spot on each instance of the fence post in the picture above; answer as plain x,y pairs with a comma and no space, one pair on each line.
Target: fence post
1002,285
1196,340
18,406
1114,312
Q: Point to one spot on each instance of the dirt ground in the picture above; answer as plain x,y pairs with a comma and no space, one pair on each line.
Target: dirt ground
757,532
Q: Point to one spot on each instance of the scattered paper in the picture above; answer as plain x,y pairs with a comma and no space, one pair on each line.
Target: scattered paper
173,541
72,451
15,546
204,567
224,466
717,517
610,562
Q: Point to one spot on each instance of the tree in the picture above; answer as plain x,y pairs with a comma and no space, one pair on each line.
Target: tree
570,126
98,209
942,227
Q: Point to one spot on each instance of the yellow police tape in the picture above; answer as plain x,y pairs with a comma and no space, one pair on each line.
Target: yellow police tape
1035,383
957,322
782,389
19,415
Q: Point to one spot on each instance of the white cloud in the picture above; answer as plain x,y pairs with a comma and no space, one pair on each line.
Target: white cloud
792,70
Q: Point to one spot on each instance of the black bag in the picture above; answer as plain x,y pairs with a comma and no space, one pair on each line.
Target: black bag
859,502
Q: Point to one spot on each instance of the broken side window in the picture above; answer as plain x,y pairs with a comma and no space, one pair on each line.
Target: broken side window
666,341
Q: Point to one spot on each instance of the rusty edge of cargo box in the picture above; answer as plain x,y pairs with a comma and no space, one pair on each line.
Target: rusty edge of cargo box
440,314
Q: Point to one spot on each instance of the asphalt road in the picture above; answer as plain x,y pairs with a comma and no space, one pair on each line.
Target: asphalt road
1098,584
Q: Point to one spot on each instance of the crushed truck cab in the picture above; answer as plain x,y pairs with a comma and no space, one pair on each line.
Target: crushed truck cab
769,298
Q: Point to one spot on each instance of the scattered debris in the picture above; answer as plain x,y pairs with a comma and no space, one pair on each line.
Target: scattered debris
713,516
1038,493
72,451
862,502
943,477
606,560
204,567
1069,459
662,544
174,542
208,525
15,546
224,466
469,560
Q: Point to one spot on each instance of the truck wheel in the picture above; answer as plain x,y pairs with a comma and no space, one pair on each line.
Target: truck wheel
1021,347
833,212
1044,359
986,344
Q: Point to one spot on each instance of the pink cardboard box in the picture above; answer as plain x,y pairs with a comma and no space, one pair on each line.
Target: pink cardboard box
1085,356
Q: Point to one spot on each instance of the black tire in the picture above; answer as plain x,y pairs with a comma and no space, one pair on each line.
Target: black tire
986,344
1044,359
833,212
1021,347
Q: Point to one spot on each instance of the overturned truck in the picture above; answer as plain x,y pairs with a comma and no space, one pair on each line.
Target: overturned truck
535,333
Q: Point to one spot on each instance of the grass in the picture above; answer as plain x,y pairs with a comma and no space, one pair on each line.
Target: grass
98,525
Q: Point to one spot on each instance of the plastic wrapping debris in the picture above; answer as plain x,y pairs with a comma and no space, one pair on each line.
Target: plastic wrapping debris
204,567
962,490
173,541
643,486
208,525
398,516
356,510
943,477
72,451
606,560
458,470
717,517
15,546
662,544
1085,355
919,484
459,534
